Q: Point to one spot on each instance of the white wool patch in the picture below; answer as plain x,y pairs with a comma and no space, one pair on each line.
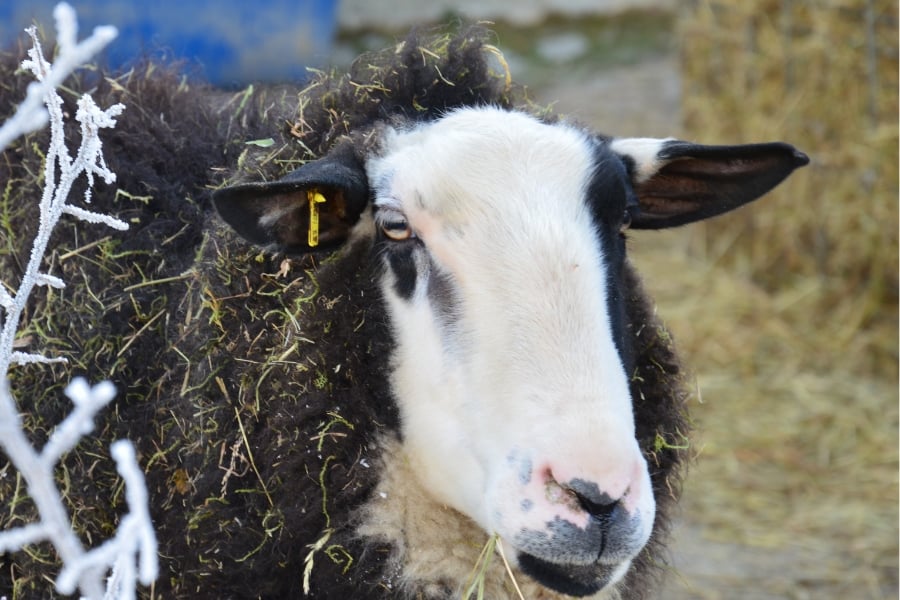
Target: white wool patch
644,152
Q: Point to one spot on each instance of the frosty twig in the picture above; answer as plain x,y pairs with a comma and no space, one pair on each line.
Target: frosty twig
131,554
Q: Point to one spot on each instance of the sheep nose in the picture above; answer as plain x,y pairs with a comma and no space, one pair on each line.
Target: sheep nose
578,522
609,517
599,492
601,506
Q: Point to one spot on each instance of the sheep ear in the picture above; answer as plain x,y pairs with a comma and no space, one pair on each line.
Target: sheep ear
312,208
679,182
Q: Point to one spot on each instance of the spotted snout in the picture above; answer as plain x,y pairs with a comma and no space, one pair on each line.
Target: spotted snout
577,532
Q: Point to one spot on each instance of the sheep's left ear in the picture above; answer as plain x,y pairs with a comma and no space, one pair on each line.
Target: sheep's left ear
679,182
312,208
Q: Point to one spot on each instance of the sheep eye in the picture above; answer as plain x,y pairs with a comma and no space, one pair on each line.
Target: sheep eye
397,230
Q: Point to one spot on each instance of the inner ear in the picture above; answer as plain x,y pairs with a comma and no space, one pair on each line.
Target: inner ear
308,219
294,218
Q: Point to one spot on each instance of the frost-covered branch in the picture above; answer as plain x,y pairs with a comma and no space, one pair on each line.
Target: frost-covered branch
31,114
88,160
131,554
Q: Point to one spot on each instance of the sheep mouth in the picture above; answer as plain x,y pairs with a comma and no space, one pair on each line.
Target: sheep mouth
572,580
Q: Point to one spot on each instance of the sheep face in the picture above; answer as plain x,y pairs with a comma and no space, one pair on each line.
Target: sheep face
501,239
499,279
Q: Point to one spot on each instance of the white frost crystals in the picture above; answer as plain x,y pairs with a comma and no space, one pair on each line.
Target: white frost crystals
132,553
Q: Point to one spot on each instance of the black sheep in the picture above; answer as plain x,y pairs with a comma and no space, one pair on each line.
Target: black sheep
276,394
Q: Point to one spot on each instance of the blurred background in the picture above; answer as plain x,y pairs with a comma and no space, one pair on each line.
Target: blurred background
786,313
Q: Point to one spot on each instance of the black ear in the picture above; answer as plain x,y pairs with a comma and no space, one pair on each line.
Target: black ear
679,182
313,208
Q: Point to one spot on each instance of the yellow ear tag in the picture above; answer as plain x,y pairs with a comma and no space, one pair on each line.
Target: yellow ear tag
314,198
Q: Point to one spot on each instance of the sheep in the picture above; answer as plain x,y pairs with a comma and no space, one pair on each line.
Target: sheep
395,327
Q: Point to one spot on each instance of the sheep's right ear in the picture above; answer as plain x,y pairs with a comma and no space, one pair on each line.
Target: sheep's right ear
680,182
313,208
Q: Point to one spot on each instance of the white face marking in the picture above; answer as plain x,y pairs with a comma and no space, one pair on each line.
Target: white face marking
519,396
644,152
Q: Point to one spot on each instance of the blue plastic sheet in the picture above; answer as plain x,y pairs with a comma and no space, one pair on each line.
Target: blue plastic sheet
228,42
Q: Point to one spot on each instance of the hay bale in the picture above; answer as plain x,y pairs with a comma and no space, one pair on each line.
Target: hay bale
823,75
799,426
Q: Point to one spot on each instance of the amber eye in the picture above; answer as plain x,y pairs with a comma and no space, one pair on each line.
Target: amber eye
397,230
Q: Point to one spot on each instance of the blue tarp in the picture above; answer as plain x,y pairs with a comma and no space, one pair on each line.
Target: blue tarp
229,42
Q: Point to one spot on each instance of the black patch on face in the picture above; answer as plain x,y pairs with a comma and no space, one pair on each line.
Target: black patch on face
402,263
440,292
630,166
610,195
572,580
442,296
411,265
525,472
581,542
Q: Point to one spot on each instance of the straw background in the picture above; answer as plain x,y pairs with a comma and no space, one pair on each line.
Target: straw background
787,310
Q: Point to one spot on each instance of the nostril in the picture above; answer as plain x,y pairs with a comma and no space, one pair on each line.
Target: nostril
596,503
604,510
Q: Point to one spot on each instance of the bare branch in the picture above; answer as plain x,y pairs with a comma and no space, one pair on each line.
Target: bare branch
132,553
